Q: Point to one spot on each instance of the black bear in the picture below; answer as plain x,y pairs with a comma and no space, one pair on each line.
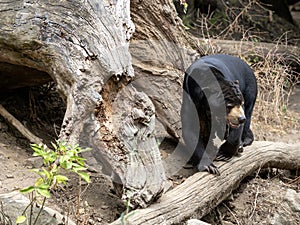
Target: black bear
218,99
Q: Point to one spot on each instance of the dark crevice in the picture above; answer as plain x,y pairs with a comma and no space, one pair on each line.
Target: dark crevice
39,108
17,76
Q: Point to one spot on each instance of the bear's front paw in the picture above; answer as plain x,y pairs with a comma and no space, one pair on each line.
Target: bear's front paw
212,168
223,157
227,150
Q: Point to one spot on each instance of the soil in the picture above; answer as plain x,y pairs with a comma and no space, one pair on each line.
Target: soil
254,202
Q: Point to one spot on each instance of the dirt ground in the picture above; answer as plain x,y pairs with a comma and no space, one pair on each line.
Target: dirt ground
254,202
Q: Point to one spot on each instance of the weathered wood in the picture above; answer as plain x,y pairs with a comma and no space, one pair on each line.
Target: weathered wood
202,192
284,53
19,126
161,51
128,135
83,47
79,44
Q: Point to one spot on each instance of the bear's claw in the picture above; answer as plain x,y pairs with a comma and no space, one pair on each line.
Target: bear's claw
213,169
221,157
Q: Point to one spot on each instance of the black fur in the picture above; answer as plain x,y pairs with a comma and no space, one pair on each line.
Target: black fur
212,85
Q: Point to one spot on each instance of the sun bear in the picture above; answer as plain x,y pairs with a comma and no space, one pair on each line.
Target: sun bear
219,93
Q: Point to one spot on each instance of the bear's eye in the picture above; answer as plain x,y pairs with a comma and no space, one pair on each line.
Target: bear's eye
229,105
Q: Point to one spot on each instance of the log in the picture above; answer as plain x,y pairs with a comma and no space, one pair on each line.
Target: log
284,53
202,192
19,126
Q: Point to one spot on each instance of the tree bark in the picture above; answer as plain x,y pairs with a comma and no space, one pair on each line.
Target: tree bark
200,193
83,47
161,50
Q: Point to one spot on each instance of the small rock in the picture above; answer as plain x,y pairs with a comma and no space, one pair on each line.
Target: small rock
293,200
14,203
280,219
91,221
86,204
34,162
291,205
196,222
81,211
227,223
9,176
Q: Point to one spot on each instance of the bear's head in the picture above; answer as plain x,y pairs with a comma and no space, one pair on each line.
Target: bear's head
234,101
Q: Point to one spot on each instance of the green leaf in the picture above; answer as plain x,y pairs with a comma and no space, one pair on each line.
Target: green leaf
38,182
78,168
69,165
61,179
38,153
80,160
71,153
46,173
62,147
49,158
64,160
27,189
43,192
43,186
85,177
42,174
35,170
54,168
35,147
39,150
21,219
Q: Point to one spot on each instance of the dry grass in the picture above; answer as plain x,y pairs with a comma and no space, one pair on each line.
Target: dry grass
275,82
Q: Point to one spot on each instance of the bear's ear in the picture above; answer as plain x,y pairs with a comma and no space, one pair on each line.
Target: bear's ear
236,82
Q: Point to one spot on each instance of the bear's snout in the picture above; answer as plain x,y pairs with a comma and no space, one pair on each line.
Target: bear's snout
242,119
236,117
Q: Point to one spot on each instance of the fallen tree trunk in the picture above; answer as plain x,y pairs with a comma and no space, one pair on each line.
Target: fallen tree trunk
19,126
285,53
202,192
